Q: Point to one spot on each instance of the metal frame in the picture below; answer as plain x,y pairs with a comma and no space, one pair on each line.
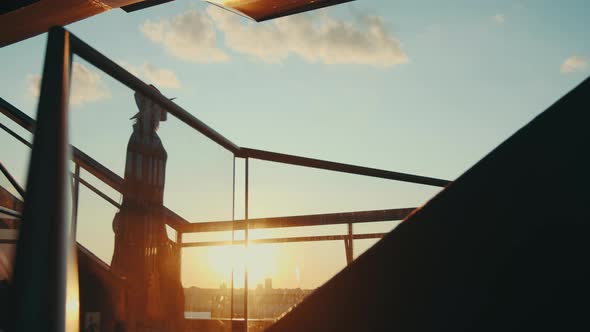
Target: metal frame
287,240
301,221
45,258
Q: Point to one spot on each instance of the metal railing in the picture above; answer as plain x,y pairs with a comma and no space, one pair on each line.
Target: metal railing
180,224
47,284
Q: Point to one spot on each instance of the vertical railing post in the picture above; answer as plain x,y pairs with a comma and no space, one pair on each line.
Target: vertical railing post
246,246
346,251
350,254
75,199
233,219
179,250
45,276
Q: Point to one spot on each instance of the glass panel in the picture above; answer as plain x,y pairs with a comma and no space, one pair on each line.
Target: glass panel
194,178
170,174
94,229
286,190
310,256
21,73
209,269
95,182
14,154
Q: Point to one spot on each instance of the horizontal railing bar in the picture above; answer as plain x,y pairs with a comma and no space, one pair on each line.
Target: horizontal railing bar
10,212
98,192
284,240
340,167
15,135
170,214
16,115
300,221
100,61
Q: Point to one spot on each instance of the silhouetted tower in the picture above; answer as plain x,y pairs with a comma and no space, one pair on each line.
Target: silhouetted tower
143,253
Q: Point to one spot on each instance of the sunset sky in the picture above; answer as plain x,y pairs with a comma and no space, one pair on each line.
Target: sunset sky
423,87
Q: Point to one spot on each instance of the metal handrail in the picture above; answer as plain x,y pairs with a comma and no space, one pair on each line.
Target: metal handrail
340,167
119,73
275,240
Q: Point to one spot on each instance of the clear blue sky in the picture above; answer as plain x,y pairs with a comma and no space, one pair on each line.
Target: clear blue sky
460,78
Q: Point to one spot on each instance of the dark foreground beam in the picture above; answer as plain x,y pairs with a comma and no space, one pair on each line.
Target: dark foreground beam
503,248
45,268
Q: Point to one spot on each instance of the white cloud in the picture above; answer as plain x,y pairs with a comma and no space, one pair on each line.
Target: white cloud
190,36
316,39
499,18
33,84
320,38
86,85
573,64
160,77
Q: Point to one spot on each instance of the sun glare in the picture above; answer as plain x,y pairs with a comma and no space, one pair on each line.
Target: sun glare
260,260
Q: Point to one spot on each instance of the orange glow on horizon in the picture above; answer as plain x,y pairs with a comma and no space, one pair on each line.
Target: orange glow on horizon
260,261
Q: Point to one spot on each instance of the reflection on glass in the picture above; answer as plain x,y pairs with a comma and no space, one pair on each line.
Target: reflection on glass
169,177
